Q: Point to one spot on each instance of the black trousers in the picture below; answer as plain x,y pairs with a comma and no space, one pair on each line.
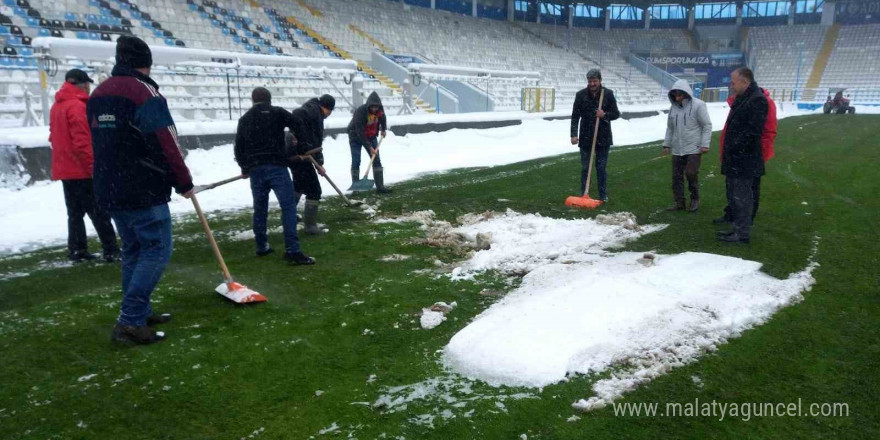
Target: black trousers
756,200
305,181
740,193
80,200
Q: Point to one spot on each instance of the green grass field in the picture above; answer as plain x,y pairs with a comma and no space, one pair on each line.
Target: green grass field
304,364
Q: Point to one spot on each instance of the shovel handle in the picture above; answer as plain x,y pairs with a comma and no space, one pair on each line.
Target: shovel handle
372,158
593,147
226,275
331,182
201,188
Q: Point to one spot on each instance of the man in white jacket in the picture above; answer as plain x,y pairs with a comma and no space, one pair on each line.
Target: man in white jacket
688,134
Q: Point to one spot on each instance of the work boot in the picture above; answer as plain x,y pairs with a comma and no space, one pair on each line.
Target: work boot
677,206
81,256
379,175
142,335
298,258
695,205
311,218
111,255
354,176
162,318
733,237
264,251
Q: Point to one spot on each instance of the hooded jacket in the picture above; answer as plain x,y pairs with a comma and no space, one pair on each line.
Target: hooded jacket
688,127
364,126
70,135
137,156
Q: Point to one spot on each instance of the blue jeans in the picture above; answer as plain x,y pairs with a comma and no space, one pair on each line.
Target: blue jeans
601,175
277,179
355,146
146,250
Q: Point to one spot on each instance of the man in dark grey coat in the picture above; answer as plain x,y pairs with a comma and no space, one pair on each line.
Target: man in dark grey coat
741,161
584,112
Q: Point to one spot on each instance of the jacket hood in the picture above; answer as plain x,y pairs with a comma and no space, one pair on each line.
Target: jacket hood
682,86
69,91
374,99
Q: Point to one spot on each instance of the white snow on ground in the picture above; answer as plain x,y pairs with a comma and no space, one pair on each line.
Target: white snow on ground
39,217
521,243
582,311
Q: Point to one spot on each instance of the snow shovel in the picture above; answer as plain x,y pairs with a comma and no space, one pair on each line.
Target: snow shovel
347,202
585,201
366,184
231,289
200,188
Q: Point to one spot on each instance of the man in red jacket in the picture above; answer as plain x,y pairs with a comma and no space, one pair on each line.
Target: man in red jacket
768,136
72,160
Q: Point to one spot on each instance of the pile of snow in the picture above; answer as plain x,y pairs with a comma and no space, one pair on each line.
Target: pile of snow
520,243
579,311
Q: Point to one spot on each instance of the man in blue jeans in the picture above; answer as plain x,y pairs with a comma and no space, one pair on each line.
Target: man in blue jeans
137,162
261,153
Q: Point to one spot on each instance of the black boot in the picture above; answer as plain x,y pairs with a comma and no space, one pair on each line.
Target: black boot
130,334
311,218
298,258
354,176
379,175
81,256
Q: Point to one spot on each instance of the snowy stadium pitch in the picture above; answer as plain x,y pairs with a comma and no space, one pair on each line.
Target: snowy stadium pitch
340,350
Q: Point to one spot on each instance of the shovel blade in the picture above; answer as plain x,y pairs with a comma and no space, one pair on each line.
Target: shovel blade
239,293
362,185
583,202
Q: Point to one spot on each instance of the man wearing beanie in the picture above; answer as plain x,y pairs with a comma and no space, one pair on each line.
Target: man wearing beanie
72,161
261,154
307,135
363,131
137,162
586,110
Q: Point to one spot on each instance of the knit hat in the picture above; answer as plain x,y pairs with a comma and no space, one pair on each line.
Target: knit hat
133,52
327,102
594,73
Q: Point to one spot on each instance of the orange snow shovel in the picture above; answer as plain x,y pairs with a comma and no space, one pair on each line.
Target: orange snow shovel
585,201
231,289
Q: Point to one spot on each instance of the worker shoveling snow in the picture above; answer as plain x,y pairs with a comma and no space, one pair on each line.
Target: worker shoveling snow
581,309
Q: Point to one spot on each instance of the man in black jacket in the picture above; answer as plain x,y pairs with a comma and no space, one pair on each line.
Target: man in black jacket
363,130
741,161
308,134
586,109
261,154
